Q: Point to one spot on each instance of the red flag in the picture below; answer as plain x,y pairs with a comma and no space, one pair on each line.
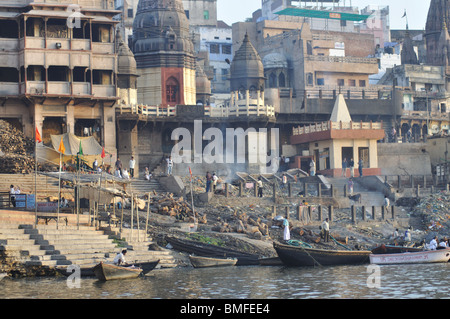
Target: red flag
190,172
38,136
103,153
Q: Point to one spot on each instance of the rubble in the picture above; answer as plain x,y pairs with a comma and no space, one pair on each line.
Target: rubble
435,212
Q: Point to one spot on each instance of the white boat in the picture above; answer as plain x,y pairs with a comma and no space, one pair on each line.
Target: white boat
426,256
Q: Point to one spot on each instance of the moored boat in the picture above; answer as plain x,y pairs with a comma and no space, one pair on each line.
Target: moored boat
3,275
304,256
391,249
204,262
147,266
425,256
208,250
104,272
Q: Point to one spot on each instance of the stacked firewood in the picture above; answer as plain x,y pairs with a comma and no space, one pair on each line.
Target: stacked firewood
17,150
241,222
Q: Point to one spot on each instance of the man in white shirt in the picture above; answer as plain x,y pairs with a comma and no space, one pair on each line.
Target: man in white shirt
132,165
169,165
119,260
326,230
433,244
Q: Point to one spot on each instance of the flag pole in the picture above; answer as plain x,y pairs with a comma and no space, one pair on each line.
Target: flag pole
59,192
35,177
192,198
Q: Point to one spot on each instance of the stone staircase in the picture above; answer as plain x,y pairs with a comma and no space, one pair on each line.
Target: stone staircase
142,186
51,246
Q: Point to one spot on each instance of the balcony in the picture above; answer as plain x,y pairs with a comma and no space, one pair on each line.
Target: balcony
9,88
104,90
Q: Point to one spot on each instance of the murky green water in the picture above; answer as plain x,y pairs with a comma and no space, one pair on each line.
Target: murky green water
343,282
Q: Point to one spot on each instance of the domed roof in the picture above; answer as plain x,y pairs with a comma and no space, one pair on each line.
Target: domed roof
126,63
203,84
246,68
275,61
161,25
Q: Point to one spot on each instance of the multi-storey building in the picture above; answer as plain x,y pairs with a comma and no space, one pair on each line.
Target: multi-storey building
58,67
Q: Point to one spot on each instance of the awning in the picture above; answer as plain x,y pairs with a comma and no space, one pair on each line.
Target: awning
322,14
89,145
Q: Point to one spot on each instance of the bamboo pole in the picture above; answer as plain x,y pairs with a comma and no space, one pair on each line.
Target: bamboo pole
148,213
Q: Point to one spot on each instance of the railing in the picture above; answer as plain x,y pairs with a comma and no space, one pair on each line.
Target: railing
158,111
229,111
326,126
219,112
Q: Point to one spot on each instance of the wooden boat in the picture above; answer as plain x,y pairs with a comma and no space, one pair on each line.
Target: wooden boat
3,275
303,256
208,250
274,261
391,249
84,271
425,256
147,266
105,272
204,262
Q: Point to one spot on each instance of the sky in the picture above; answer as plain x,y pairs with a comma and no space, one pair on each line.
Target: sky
232,11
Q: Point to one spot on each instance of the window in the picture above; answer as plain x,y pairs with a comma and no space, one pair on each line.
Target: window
321,81
130,13
172,91
351,83
206,15
362,83
224,74
214,48
340,82
226,49
187,13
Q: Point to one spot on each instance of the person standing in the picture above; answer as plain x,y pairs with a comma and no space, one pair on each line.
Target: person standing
286,233
260,187
326,230
119,166
214,181
132,165
312,167
350,186
386,203
360,167
344,168
95,166
208,182
169,165
12,195
351,164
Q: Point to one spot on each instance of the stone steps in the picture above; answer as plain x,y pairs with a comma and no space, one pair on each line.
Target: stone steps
49,246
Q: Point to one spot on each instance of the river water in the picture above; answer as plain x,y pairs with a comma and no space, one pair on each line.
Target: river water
249,282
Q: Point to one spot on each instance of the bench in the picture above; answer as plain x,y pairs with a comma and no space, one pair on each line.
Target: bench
107,217
49,217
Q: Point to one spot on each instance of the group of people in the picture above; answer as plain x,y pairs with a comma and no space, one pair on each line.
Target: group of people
211,182
121,172
438,244
351,165
406,236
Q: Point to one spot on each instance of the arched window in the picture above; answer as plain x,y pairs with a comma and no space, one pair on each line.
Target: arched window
272,80
281,80
172,91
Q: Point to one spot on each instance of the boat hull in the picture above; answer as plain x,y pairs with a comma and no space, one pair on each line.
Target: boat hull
106,272
300,256
204,262
207,250
429,256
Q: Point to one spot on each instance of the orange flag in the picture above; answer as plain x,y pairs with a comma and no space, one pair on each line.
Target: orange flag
38,136
61,148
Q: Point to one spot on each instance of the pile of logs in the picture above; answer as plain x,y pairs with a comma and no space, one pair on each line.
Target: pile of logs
16,148
244,224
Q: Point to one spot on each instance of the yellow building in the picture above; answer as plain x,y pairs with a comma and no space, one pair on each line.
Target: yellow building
329,143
